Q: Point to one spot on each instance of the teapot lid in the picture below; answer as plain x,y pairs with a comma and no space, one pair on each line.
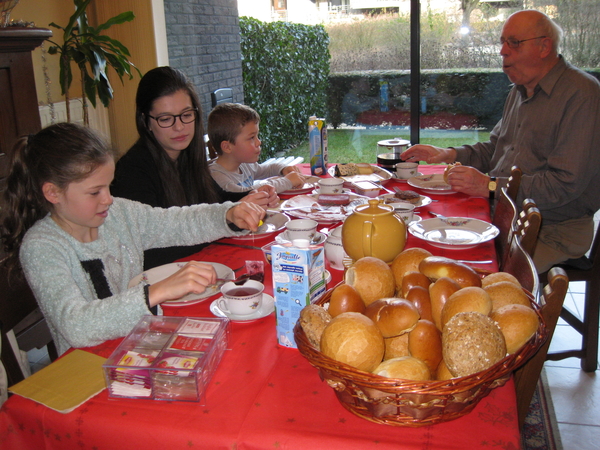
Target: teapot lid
374,206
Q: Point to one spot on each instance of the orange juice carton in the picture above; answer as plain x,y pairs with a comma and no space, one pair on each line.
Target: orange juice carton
298,280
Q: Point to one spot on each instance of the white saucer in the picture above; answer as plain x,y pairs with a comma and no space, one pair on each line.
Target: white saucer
267,307
283,238
404,180
327,276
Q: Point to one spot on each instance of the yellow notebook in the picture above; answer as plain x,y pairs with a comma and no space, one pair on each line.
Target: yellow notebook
66,383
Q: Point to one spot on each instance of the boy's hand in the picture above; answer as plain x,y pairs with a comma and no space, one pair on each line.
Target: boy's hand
296,178
290,169
265,196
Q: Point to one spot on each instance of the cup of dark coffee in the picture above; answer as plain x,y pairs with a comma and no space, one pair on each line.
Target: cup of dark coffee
241,300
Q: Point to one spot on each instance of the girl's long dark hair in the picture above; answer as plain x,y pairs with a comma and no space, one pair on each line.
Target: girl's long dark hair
59,154
186,181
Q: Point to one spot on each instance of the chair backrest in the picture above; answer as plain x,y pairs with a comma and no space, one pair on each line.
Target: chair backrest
19,312
518,263
551,302
528,225
505,217
514,183
224,95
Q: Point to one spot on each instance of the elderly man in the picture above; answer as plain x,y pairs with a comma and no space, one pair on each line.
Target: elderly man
550,128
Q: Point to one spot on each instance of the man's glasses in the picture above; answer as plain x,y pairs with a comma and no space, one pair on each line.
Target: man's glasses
168,120
513,43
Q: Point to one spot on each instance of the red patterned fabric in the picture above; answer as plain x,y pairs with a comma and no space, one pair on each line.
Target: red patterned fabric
262,396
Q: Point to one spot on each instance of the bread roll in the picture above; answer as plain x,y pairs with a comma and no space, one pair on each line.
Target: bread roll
412,279
466,299
442,372
435,267
372,278
405,367
497,277
472,342
517,323
313,320
447,170
425,343
352,338
345,298
506,293
419,296
439,292
393,316
396,346
407,261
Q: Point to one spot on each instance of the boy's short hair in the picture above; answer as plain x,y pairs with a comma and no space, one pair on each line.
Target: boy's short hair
225,123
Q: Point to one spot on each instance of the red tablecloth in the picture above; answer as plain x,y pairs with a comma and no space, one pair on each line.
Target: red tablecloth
262,396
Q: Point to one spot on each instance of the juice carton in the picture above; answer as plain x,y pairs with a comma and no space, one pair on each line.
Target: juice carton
298,280
317,140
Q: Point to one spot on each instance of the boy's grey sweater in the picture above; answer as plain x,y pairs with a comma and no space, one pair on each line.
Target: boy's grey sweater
82,287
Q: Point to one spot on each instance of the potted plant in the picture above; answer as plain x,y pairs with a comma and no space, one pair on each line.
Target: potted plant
93,52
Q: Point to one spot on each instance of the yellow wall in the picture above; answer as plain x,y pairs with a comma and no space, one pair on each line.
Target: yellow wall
41,13
138,36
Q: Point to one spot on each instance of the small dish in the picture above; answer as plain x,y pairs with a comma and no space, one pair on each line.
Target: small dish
344,191
159,273
267,307
431,184
273,222
283,238
379,175
404,180
309,184
454,233
391,198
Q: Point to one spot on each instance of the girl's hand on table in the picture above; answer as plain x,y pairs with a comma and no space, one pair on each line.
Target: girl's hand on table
429,154
193,278
265,196
246,215
468,180
296,178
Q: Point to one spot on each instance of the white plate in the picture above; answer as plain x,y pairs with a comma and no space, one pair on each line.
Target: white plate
267,307
159,273
391,198
273,222
322,214
453,233
283,238
379,175
431,184
309,184
344,191
404,180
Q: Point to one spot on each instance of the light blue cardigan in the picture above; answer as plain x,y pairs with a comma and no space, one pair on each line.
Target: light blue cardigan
51,260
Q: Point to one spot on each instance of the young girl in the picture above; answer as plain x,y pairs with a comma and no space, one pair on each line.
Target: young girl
78,247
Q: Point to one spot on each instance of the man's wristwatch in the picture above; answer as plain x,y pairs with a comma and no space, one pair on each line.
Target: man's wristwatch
492,187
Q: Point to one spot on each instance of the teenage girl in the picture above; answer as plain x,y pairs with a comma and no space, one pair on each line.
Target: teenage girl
78,247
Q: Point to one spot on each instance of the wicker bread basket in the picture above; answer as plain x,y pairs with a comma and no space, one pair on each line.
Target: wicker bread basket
412,403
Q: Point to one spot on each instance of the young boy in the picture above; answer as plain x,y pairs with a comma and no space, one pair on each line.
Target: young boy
233,132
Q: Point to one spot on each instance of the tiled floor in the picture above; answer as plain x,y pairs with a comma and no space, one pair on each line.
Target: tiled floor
575,393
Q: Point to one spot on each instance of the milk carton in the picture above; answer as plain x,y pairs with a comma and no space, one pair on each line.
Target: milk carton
298,280
317,142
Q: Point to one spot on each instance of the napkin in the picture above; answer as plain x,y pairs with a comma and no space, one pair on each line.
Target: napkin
66,383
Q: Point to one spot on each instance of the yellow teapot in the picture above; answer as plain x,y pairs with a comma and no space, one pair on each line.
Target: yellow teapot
373,230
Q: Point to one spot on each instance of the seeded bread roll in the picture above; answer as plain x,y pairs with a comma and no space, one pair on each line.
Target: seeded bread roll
314,319
472,342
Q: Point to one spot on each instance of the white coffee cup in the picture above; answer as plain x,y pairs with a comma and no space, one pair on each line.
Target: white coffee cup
331,186
406,170
404,210
301,229
334,250
241,300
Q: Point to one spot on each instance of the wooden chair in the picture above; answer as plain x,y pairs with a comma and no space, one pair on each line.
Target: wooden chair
224,95
19,312
528,225
551,303
505,217
584,269
514,183
519,263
